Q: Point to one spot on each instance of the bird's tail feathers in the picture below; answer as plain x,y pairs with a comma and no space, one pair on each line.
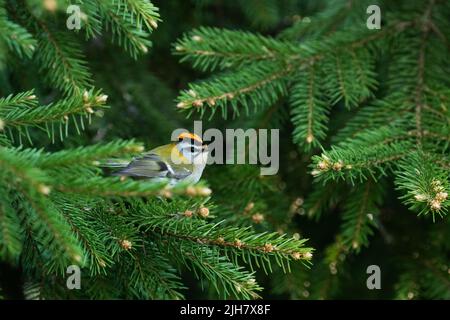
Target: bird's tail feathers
114,163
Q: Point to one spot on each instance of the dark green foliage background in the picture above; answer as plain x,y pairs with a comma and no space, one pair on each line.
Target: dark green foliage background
412,251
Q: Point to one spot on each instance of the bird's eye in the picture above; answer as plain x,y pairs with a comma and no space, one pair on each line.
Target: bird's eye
192,149
180,139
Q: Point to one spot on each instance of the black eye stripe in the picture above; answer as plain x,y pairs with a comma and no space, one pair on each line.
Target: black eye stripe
195,145
192,149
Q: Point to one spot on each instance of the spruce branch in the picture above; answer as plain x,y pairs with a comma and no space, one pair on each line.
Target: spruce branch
227,278
322,199
325,22
119,20
139,239
49,228
58,112
367,155
360,214
97,257
10,231
213,48
425,184
425,28
61,59
286,59
309,110
25,99
15,36
90,155
90,18
116,187
342,69
4,141
259,84
390,109
239,242
142,11
153,277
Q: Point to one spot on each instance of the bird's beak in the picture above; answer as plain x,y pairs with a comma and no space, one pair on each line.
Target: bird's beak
204,147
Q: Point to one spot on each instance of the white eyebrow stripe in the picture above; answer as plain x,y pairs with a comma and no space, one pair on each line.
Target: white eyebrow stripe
190,141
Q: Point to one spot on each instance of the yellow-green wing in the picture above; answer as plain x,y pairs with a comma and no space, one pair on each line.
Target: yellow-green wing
157,163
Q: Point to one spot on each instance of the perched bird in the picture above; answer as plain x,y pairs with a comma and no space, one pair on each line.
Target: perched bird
183,160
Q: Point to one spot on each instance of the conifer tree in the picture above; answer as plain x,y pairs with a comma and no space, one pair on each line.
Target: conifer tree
58,209
364,130
367,111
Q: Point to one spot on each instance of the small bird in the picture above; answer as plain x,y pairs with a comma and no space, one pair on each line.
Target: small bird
181,161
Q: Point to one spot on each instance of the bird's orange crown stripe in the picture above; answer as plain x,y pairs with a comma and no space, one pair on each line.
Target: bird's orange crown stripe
188,135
